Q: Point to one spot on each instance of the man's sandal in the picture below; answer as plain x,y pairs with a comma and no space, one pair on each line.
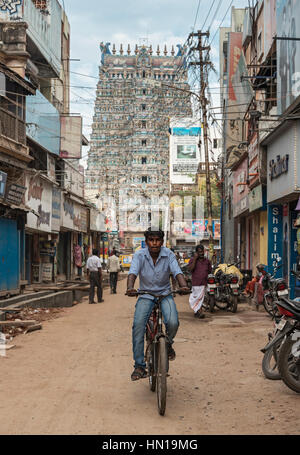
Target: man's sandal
139,373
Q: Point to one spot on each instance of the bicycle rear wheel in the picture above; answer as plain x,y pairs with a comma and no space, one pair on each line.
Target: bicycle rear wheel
161,377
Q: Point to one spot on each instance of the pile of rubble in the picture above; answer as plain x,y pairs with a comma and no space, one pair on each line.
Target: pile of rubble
26,320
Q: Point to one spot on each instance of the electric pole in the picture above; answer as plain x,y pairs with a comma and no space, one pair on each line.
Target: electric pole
203,104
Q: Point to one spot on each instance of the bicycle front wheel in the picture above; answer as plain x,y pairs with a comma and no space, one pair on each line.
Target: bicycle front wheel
151,367
161,378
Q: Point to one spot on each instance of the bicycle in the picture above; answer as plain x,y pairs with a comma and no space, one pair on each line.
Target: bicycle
156,351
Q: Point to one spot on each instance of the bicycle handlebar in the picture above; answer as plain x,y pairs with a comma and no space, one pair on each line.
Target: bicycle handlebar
157,296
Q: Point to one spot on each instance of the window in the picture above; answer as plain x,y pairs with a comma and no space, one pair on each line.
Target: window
144,160
144,179
40,4
144,124
143,107
144,74
144,92
144,141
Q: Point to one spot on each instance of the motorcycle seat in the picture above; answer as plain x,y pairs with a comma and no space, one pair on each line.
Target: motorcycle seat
293,304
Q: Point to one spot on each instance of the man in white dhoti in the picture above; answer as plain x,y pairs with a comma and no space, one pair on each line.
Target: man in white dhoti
200,268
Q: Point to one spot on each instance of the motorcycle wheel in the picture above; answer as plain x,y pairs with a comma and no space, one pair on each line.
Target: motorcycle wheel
234,303
268,305
211,303
270,363
289,363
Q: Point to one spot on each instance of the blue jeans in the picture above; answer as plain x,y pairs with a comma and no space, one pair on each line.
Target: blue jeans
143,310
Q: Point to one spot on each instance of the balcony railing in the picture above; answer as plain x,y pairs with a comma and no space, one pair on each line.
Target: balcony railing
12,127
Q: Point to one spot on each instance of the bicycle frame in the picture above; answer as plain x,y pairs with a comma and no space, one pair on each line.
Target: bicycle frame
154,328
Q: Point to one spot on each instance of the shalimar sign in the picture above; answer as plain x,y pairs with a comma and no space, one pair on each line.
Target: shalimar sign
278,167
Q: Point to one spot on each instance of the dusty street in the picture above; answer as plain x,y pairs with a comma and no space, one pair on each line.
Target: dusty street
73,377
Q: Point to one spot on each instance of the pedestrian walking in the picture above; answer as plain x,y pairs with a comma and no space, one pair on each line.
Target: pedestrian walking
94,273
114,267
200,268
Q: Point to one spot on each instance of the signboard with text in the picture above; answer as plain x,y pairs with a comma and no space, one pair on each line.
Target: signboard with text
275,244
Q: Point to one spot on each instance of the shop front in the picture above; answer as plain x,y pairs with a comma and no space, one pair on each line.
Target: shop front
243,224
97,228
12,232
39,250
258,217
73,239
283,151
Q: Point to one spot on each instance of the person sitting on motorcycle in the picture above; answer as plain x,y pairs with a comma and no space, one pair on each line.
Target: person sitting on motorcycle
250,287
153,265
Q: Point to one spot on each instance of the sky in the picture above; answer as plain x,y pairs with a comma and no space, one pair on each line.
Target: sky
133,22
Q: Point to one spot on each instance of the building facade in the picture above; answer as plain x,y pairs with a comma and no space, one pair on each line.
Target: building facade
129,153
265,159
43,212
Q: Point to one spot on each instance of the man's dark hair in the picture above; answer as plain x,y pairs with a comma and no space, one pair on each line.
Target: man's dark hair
95,252
199,247
150,232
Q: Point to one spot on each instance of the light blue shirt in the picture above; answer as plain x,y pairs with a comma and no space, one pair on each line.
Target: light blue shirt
155,278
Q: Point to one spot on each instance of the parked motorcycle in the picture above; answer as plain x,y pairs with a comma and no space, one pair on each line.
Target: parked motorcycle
210,300
284,346
227,288
187,274
270,286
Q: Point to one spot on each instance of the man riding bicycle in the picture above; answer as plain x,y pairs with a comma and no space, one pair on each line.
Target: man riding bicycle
153,265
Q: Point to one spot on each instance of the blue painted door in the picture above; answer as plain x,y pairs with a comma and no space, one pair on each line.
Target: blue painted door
9,255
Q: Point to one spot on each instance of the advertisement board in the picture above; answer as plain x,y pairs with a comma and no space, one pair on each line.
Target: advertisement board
288,53
71,137
38,196
270,21
233,125
74,216
199,229
184,150
235,52
73,180
43,122
97,221
240,189
283,163
56,209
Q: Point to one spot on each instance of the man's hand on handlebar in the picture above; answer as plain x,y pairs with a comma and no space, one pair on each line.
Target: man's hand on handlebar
131,292
184,291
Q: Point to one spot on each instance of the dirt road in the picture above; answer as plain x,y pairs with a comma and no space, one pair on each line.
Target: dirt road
73,377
